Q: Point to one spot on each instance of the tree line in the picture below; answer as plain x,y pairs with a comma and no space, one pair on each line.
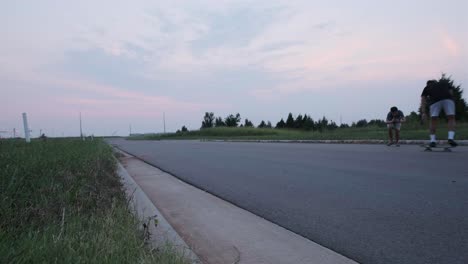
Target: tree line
305,122
302,122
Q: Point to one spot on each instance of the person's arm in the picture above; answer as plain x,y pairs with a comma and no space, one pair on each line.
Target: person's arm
402,119
388,120
423,107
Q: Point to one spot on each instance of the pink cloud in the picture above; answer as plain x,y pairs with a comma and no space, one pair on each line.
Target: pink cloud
450,44
102,100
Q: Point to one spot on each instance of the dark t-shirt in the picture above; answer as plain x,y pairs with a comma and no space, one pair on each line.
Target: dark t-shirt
399,116
436,93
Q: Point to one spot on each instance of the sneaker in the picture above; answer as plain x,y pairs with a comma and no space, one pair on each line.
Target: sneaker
452,143
432,144
390,143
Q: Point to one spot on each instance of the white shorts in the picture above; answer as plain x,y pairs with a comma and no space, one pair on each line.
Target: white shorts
396,126
448,106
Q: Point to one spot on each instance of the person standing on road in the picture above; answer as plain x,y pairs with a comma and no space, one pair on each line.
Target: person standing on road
394,119
439,96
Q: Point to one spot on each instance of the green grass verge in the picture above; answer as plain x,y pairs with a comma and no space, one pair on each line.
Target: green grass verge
61,202
408,132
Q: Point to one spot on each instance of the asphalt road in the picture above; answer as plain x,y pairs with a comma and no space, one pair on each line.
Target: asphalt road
371,203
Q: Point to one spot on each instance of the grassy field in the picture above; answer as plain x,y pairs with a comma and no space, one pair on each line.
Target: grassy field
61,202
408,131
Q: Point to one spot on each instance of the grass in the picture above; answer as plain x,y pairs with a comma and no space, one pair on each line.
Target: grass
408,132
61,202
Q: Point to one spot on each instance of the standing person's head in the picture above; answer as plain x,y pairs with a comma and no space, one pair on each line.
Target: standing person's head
431,83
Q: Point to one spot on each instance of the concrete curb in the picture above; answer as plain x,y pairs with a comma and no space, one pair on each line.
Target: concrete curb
402,142
160,231
221,232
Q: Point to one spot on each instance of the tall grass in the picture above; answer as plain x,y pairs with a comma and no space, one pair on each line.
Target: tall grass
409,131
61,202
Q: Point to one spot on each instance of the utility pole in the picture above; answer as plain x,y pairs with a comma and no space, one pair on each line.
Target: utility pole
81,130
164,120
130,126
26,128
14,132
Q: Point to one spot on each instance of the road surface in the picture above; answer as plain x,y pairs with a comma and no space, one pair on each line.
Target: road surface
371,203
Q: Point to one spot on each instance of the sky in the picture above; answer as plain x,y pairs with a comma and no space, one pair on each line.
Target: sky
131,63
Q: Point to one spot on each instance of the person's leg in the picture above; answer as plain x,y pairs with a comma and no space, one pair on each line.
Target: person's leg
449,109
397,133
451,130
433,126
435,111
433,129
451,123
390,135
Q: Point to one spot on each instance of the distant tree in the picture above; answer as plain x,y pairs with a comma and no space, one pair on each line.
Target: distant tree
248,123
219,122
413,117
377,123
208,120
184,129
269,125
324,121
232,121
308,123
332,125
290,121
281,124
262,124
298,122
43,137
361,123
344,125
322,124
304,120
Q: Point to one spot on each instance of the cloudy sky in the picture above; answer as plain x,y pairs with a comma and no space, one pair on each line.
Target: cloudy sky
128,62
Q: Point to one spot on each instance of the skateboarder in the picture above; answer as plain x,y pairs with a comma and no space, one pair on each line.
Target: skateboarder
439,96
394,119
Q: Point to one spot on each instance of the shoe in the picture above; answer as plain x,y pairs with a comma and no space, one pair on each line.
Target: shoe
397,145
390,143
452,143
432,144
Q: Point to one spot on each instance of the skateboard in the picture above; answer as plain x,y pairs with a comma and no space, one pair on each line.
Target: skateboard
442,147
